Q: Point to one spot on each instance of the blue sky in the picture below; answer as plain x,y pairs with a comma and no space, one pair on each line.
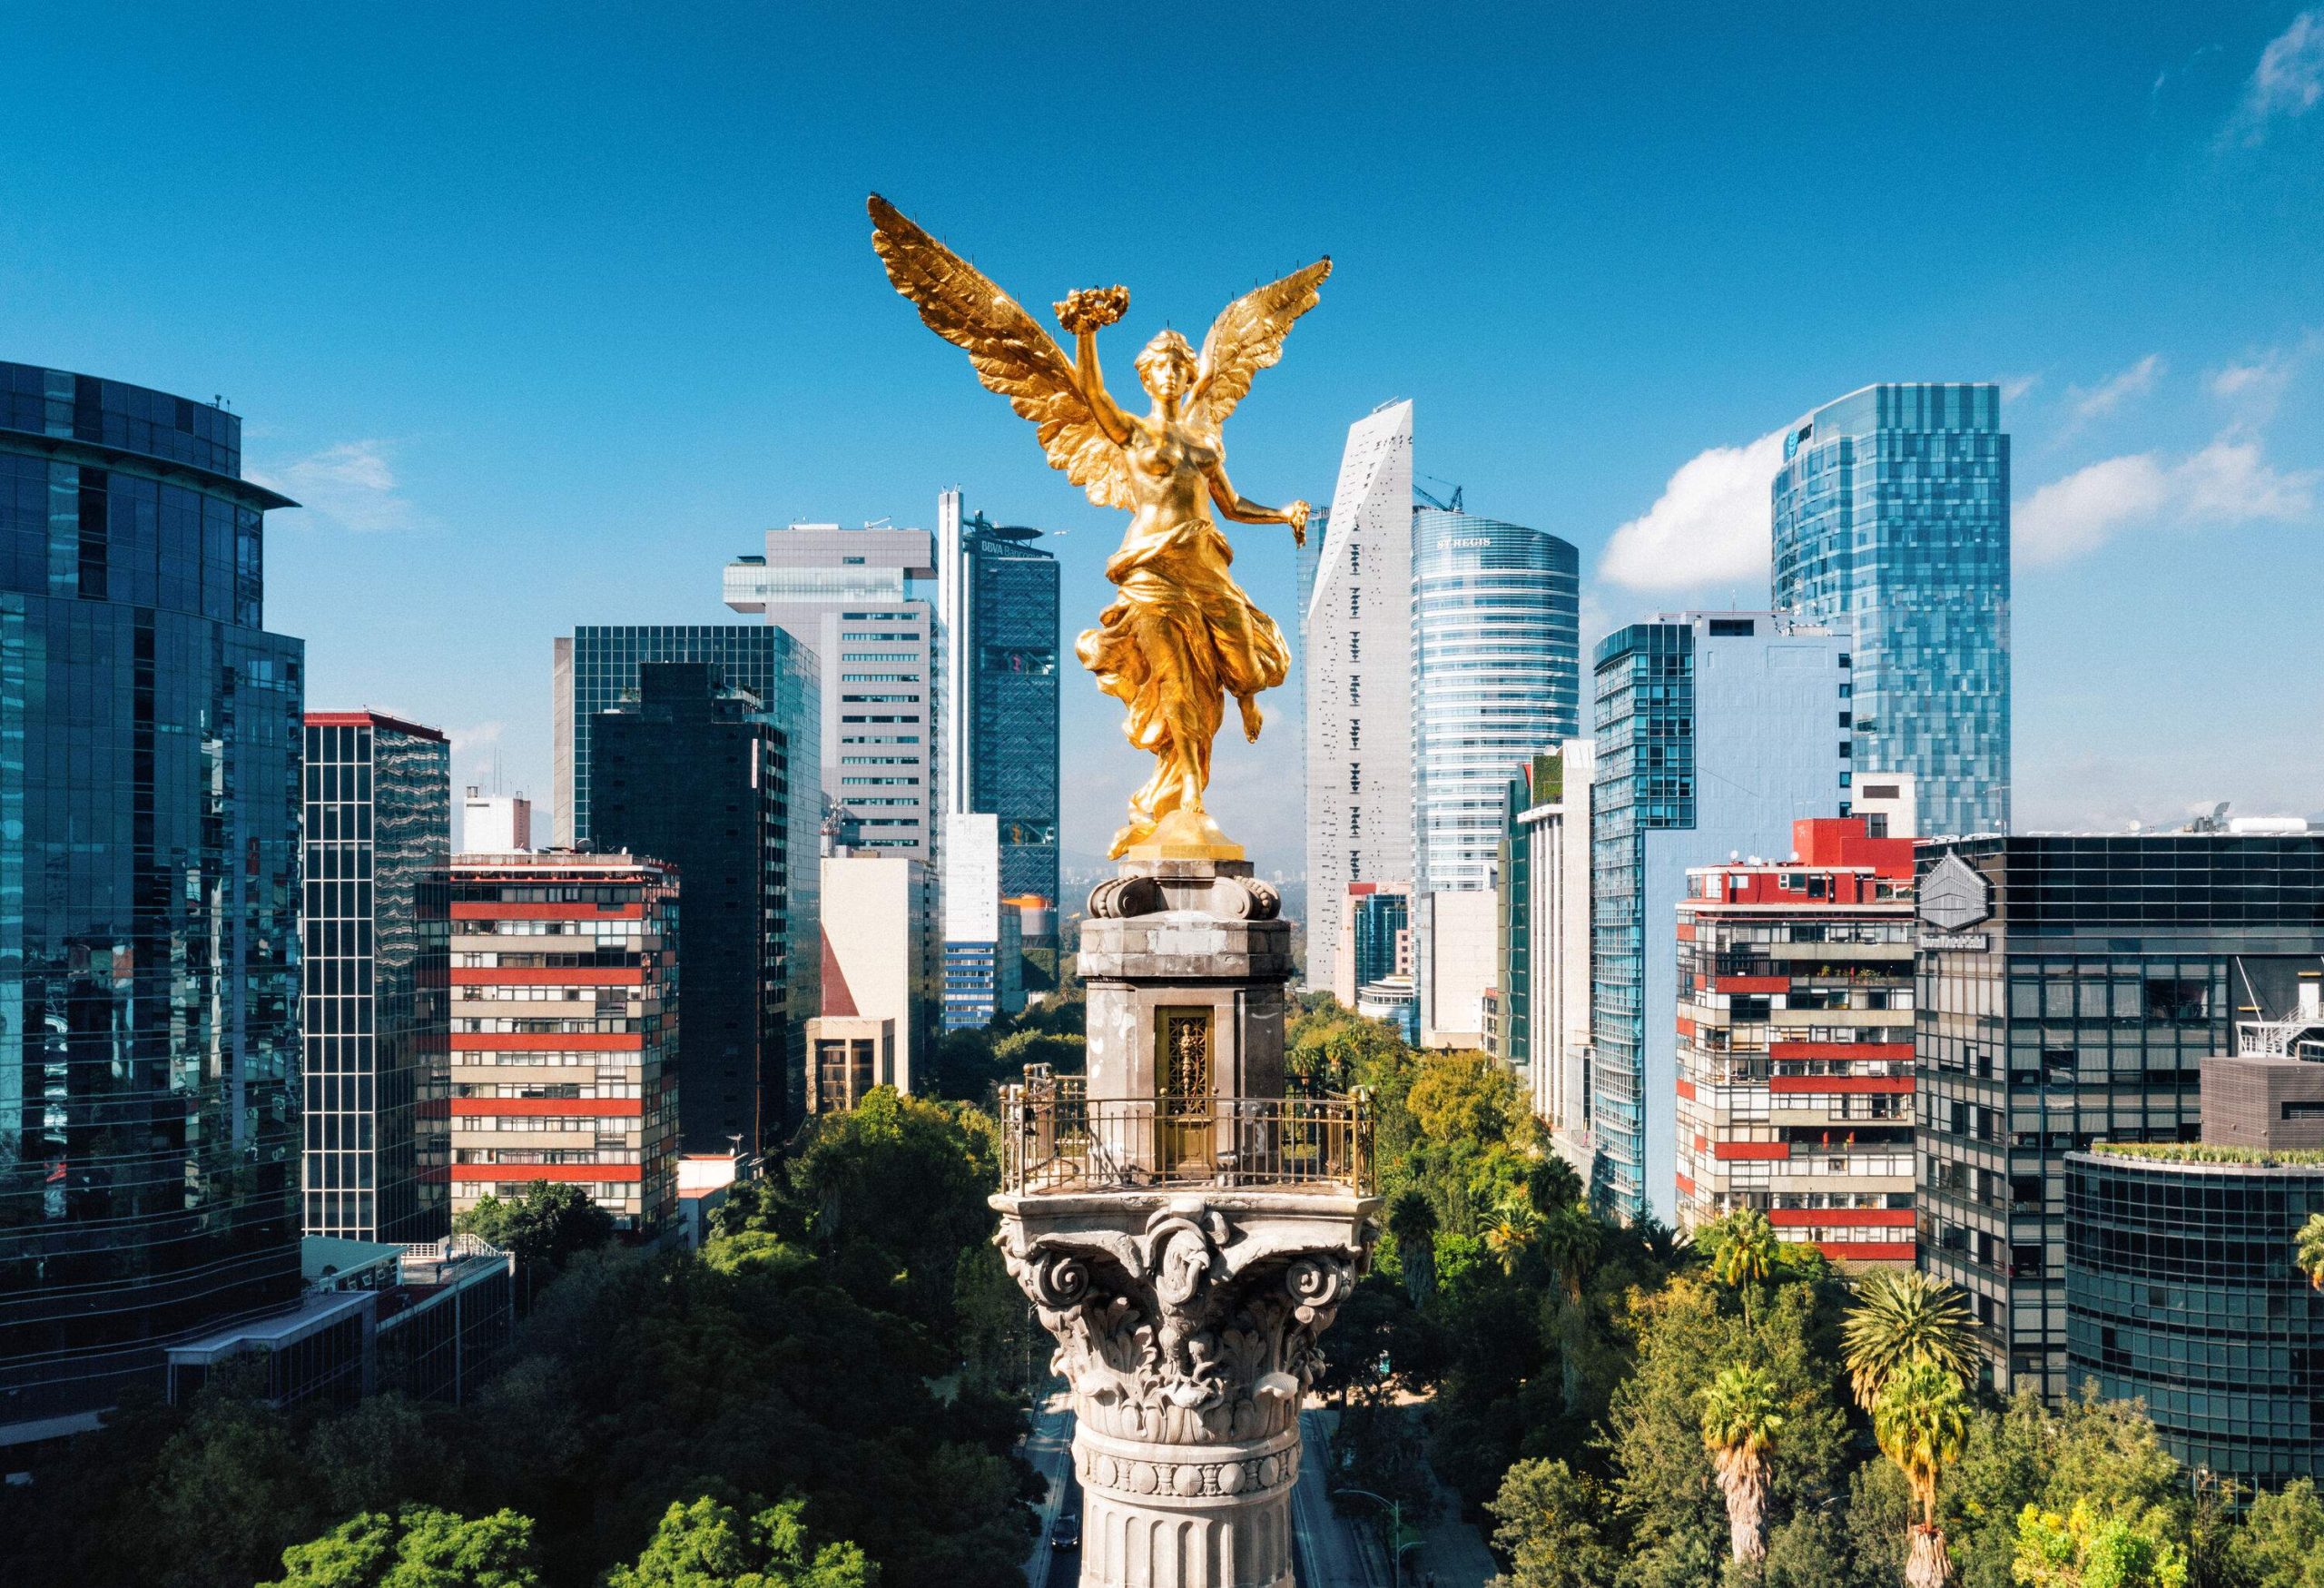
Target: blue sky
547,312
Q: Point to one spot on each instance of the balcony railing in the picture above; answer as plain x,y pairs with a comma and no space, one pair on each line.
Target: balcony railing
1056,1137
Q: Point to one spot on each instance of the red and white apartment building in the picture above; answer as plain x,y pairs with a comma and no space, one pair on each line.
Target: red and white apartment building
565,1031
1795,1068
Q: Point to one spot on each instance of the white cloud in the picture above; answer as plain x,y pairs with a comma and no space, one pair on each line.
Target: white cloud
1710,523
2017,386
2287,81
2111,393
2226,483
477,737
353,484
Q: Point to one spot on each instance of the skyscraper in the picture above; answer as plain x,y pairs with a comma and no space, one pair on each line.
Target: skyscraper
864,602
700,778
1891,516
1545,910
372,1008
595,669
1496,643
984,973
1714,733
148,892
1359,681
997,608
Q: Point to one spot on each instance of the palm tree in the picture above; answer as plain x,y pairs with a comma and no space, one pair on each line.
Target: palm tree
2311,1249
1746,1253
1922,1420
1903,1316
1740,1423
1412,1219
1514,1226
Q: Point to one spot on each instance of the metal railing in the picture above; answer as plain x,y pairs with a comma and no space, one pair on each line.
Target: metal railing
1056,1137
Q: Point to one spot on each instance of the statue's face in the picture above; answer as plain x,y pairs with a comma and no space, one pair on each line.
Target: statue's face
1168,371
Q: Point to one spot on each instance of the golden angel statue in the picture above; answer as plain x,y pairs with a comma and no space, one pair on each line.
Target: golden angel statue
1182,634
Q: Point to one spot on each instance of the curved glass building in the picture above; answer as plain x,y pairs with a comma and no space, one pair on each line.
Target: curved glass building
149,892
2181,1292
1496,678
1891,516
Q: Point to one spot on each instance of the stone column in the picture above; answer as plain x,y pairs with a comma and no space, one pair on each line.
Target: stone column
1187,1324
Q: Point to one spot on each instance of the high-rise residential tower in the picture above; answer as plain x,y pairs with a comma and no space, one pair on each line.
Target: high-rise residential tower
596,667
864,602
1892,517
1359,681
1544,899
149,892
371,1003
1715,732
566,1030
997,610
700,778
1495,651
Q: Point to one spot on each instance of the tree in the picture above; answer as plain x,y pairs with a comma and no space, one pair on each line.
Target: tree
1744,1252
1549,1518
1411,1221
2087,1549
1921,1420
710,1544
1740,1423
2282,1542
2311,1249
420,1547
553,1223
1903,1318
1514,1228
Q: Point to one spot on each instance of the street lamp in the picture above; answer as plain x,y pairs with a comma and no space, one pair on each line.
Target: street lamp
1396,1544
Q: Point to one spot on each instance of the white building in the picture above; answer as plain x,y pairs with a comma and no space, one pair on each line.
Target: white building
881,960
496,823
1555,831
1455,943
983,941
1358,693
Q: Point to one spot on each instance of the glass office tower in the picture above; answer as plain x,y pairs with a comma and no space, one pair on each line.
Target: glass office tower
372,1008
1000,727
596,669
1892,517
716,782
1496,642
1715,733
149,892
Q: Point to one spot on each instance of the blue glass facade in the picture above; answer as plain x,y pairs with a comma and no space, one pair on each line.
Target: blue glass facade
1715,732
1891,516
1496,678
1013,723
1378,920
597,669
148,892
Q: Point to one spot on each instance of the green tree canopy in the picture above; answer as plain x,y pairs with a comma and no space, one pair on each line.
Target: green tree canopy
418,1547
711,1544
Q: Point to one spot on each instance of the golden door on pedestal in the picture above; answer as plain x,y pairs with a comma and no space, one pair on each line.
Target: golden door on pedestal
1186,1111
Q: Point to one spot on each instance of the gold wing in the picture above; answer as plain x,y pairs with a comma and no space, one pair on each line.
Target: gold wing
1246,338
1012,354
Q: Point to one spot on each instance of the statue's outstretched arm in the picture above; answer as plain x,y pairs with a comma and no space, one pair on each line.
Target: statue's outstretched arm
1092,382
1243,511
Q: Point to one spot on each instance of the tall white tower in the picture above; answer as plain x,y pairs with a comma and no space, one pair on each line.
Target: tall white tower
1359,681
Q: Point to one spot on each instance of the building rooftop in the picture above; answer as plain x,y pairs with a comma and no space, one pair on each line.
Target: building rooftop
2197,1155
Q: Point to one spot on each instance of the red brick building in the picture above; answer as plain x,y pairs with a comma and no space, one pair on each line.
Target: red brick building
1795,1052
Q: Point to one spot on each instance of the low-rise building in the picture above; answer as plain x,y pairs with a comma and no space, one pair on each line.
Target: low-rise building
1795,1053
565,1031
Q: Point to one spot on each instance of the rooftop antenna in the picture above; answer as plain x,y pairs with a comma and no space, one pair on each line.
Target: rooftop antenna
1452,505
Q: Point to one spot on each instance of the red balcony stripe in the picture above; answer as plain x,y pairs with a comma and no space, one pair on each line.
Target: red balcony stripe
533,1041
1752,984
1840,1049
1842,1218
1686,1090
1869,1251
1796,1084
1752,1150
492,912
548,1171
1686,1026
1686,1186
549,976
475,1108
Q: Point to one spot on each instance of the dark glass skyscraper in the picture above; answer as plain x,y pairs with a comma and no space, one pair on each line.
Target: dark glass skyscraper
148,892
596,670
1002,722
373,1007
723,784
1892,517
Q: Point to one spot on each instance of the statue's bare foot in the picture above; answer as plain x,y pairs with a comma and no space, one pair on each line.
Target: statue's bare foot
1252,720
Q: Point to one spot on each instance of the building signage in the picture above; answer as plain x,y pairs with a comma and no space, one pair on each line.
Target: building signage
1953,898
1976,942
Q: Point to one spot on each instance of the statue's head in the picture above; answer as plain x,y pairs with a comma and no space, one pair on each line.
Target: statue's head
1167,366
